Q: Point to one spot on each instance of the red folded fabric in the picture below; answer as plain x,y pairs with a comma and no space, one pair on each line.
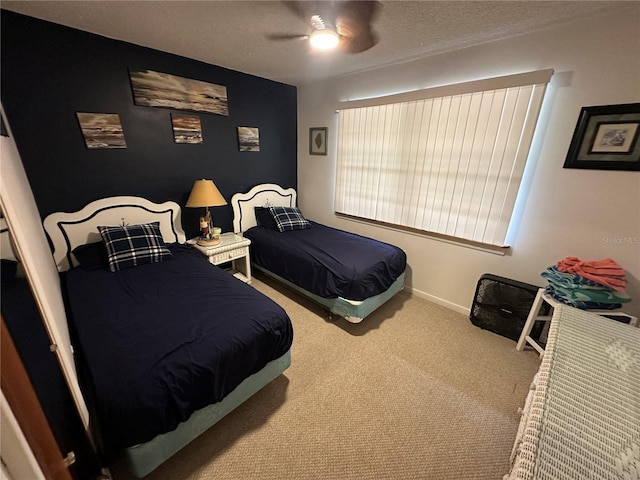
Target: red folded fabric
604,272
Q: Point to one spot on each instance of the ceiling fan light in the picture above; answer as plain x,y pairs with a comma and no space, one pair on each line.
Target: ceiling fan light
326,39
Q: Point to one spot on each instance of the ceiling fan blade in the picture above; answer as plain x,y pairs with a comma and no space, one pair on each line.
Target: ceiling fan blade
362,11
353,24
276,36
357,44
300,9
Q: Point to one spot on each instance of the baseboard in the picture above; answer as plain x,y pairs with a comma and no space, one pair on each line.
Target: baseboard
439,301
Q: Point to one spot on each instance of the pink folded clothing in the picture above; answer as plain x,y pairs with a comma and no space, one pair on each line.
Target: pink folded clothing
604,272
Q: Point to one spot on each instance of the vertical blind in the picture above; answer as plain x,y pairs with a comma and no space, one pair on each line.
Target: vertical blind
445,160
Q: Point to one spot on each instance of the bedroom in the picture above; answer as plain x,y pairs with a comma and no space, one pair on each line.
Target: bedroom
552,223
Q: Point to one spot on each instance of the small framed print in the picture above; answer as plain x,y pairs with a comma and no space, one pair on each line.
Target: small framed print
249,139
186,128
614,137
101,130
606,138
318,141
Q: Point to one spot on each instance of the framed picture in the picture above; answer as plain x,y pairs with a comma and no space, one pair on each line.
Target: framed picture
186,128
318,141
157,89
101,130
606,138
249,139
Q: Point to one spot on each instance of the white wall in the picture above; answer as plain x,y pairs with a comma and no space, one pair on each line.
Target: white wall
591,214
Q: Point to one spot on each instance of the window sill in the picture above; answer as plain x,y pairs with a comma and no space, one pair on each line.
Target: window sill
483,247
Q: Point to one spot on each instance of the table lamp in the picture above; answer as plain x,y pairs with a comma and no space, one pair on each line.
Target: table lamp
205,194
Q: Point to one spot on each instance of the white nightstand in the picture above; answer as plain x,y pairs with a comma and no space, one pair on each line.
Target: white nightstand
232,248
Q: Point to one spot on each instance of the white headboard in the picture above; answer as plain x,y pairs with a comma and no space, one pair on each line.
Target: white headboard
266,194
69,230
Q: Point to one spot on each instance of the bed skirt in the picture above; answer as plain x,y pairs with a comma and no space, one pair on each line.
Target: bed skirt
145,457
352,310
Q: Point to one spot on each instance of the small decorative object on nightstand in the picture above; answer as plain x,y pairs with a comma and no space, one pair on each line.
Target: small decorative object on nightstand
205,194
231,248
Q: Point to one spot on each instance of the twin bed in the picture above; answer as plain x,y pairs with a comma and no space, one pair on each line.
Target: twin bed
168,344
350,275
165,348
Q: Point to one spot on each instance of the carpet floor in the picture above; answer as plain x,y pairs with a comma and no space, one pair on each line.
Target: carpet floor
415,391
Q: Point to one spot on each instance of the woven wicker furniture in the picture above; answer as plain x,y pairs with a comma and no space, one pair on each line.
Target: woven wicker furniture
581,419
232,248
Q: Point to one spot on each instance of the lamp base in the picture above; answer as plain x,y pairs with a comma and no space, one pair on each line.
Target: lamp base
208,243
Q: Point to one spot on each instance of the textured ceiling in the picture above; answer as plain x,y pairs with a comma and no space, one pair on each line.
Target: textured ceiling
233,34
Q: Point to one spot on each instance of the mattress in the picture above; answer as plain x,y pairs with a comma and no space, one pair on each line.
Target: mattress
163,340
328,262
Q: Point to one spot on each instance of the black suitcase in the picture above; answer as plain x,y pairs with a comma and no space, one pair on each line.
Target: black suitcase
502,305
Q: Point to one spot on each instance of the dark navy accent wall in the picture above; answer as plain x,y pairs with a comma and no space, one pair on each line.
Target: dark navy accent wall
50,72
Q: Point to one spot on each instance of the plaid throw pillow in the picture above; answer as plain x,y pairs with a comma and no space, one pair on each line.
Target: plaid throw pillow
133,245
289,218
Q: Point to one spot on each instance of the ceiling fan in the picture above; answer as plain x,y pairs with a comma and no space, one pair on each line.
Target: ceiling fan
342,24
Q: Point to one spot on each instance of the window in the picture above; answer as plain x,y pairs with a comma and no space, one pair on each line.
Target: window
447,160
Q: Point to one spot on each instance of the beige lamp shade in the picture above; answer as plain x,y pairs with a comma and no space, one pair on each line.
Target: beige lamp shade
205,194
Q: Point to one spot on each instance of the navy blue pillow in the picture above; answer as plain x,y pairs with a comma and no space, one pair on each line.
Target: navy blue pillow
132,245
92,256
264,218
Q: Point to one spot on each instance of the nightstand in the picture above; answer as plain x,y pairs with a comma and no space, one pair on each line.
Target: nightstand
232,248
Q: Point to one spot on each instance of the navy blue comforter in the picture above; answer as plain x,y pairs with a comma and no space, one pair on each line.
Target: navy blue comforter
328,262
161,341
